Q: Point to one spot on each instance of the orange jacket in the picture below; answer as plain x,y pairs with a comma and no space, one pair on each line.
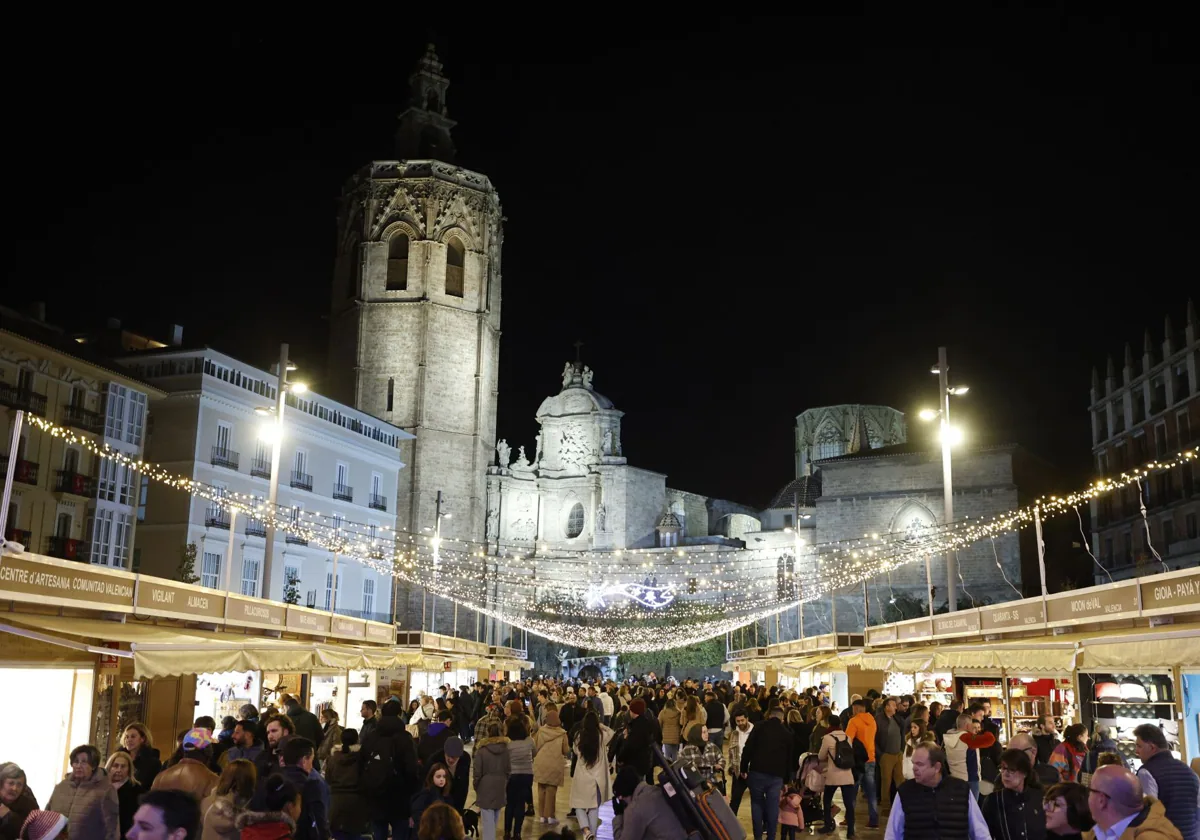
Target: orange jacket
861,727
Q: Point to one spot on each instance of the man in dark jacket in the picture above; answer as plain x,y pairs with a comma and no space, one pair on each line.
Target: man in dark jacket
434,739
304,721
638,749
466,709
298,756
458,761
767,761
389,803
1168,779
947,721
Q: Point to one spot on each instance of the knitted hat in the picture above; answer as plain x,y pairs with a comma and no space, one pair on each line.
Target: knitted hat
453,747
43,825
626,781
638,706
197,739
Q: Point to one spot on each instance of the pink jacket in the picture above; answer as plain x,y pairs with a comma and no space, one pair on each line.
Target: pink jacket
789,809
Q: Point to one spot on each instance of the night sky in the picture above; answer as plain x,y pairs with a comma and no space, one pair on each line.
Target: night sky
741,220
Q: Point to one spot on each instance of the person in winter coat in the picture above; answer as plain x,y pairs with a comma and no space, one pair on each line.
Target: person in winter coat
147,763
489,775
120,774
438,788
458,762
791,816
434,739
638,749
520,778
1046,737
821,719
1014,809
191,774
388,790
917,735
550,748
219,812
1117,805
16,800
642,811
87,799
703,754
962,751
331,734
277,820
590,784
304,722
1102,742
1067,758
670,720
491,717
347,805
836,778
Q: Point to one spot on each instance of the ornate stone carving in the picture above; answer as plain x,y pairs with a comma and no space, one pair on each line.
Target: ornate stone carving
601,517
537,448
503,452
588,373
568,374
573,449
493,524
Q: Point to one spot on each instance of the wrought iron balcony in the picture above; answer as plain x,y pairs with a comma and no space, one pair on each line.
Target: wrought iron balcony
343,492
25,472
302,480
255,528
216,517
296,539
67,549
222,457
80,418
260,468
25,399
18,535
66,481
377,502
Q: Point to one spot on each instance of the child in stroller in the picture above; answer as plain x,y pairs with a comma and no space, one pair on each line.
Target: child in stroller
810,783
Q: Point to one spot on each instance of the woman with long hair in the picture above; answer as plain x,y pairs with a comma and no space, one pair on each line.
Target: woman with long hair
917,735
824,721
439,783
1067,758
693,715
1015,808
231,796
1067,811
120,774
591,786
147,762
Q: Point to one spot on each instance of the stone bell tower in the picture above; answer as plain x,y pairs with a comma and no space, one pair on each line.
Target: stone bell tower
415,324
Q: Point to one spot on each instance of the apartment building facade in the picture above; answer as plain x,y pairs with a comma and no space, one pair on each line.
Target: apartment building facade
335,461
1151,411
66,501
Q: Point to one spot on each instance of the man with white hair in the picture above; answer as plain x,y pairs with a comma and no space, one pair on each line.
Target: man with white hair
1121,812
1024,742
1167,779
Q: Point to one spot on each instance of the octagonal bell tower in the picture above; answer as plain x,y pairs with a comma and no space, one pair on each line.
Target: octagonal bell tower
415,324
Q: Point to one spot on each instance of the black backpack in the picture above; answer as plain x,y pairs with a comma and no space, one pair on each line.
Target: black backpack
379,768
843,753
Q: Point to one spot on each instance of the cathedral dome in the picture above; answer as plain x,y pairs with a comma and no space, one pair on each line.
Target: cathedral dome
669,520
577,395
803,491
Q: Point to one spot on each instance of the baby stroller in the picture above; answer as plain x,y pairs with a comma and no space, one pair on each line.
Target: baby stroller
811,792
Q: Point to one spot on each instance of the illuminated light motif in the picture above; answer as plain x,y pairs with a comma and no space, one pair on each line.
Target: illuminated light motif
654,597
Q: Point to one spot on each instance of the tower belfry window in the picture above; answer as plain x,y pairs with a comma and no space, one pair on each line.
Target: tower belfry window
391,392
397,268
455,258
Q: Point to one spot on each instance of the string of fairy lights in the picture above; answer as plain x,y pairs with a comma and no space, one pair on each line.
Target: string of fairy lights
715,589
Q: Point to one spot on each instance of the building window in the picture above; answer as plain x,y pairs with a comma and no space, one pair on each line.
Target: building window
143,490
114,413
210,572
135,417
108,480
102,537
329,590
455,258
1108,550
71,461
1127,558
397,267
1182,387
787,520
224,437
125,485
1190,525
575,521
829,443
121,539
391,392
1160,440
62,527
1168,533
250,577
291,573
1185,429
368,601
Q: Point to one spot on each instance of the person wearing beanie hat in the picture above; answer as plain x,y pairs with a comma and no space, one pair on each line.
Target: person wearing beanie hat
191,773
641,734
458,762
550,747
42,825
637,706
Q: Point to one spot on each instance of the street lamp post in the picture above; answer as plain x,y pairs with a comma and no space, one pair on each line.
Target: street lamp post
948,438
281,388
437,557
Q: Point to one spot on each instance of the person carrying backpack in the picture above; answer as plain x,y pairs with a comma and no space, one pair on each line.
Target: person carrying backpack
837,765
388,774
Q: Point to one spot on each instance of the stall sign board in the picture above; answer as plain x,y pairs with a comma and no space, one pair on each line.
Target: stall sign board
349,628
109,663
382,633
1176,592
159,597
1096,603
909,631
304,620
65,583
1014,615
254,612
883,635
963,623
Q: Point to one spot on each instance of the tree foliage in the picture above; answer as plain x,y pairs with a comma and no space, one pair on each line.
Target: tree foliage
709,654
185,572
291,591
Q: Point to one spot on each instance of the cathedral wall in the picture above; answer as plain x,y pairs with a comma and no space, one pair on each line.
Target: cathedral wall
390,348
444,462
645,497
692,511
450,370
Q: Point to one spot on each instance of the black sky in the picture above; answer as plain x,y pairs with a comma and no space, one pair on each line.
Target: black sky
740,218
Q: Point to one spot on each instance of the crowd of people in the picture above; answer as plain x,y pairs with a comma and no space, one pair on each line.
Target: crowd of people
930,773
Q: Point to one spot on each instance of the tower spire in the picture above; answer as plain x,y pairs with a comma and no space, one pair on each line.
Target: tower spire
424,130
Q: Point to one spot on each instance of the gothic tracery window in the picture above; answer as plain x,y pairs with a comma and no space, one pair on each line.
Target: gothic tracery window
829,443
455,258
397,267
575,521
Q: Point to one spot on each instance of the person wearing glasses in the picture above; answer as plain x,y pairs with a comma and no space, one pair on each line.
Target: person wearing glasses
1066,806
1121,812
1024,742
1014,810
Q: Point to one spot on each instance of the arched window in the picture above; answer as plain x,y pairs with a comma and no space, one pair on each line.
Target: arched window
456,255
575,521
397,270
829,443
431,102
